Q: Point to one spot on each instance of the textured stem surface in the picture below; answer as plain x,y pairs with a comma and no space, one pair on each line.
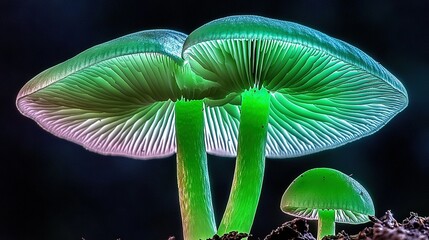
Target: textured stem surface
326,223
196,207
249,169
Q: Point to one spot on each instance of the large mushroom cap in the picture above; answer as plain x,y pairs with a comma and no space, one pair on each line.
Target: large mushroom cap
327,189
114,98
324,92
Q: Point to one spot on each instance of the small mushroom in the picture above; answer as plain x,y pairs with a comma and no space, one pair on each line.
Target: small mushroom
329,196
279,89
123,98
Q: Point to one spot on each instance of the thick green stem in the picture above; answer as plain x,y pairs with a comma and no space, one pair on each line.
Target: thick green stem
196,207
326,223
249,169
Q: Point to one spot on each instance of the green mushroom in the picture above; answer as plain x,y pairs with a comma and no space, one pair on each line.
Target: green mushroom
279,89
244,86
329,196
123,98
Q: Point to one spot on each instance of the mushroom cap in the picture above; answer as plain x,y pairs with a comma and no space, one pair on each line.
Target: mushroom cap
324,92
114,98
327,189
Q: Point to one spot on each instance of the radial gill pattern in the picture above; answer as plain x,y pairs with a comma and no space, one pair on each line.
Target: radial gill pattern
341,215
121,103
221,129
324,92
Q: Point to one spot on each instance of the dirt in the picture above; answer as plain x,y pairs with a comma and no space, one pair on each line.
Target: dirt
385,228
413,227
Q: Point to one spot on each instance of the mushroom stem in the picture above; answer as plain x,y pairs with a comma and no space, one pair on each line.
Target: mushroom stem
250,163
196,207
326,223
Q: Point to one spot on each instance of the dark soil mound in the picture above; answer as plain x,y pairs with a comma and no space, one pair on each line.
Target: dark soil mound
413,227
295,229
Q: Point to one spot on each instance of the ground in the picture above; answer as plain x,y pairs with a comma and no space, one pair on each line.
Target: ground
385,228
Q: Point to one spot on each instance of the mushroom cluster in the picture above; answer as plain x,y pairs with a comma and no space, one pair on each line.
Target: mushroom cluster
244,86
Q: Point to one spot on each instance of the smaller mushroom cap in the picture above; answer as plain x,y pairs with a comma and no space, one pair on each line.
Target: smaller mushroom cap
327,189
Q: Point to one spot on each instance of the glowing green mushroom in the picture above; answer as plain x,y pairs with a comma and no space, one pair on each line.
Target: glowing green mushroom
329,196
280,89
123,98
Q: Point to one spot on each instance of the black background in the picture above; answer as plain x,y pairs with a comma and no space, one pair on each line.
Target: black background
54,189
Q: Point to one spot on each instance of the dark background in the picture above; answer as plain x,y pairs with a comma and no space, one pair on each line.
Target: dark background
53,189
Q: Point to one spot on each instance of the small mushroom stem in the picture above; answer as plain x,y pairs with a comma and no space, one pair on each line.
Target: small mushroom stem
196,207
249,169
326,223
